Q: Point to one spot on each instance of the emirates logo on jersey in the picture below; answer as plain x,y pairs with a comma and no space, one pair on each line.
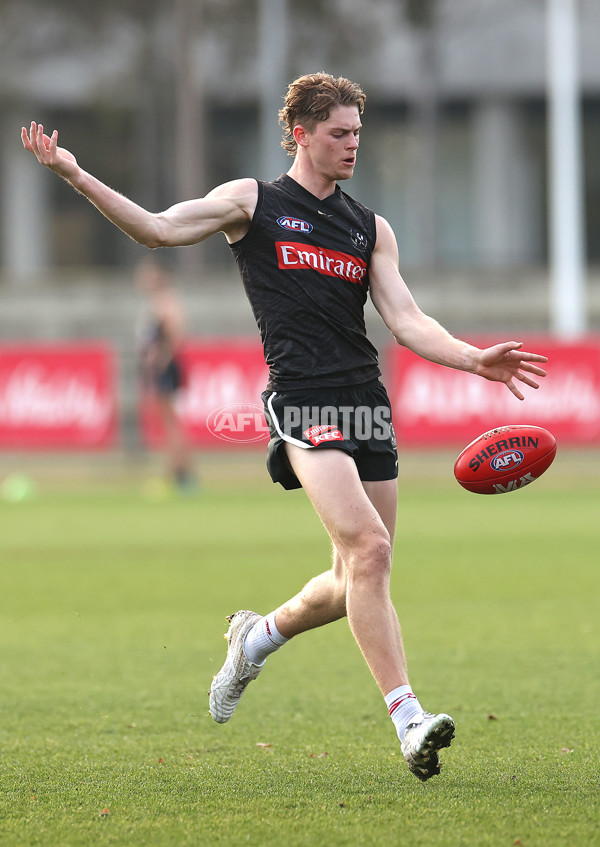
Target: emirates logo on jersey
298,256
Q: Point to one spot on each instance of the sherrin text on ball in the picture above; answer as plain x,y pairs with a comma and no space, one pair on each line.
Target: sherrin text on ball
505,459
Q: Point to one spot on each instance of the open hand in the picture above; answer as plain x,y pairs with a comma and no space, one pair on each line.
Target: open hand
507,362
45,148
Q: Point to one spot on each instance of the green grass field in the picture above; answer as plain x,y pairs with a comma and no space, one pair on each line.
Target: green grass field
113,607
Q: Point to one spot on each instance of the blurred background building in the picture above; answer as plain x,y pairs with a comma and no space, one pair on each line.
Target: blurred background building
163,100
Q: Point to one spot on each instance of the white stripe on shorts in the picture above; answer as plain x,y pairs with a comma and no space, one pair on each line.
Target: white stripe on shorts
280,432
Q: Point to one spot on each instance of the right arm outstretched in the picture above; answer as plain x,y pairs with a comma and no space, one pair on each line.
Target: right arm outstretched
227,208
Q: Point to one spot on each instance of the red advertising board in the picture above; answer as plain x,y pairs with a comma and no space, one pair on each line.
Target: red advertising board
434,405
64,396
220,402
57,396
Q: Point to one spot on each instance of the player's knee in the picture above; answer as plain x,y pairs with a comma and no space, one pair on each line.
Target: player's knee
371,557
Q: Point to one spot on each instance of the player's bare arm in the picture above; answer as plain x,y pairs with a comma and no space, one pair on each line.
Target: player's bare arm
423,335
228,208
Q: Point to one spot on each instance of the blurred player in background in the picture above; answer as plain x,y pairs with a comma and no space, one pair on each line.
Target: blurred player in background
309,255
160,335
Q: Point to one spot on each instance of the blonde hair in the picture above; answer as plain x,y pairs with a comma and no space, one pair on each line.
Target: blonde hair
311,98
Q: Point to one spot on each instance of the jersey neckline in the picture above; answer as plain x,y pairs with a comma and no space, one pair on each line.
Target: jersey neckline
290,183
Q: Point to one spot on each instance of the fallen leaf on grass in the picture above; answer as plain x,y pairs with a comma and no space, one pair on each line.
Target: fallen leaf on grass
566,750
262,744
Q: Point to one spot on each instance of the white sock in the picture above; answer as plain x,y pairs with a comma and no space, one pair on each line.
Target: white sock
403,707
263,639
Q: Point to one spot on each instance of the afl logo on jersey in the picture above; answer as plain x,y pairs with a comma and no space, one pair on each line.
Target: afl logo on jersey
294,224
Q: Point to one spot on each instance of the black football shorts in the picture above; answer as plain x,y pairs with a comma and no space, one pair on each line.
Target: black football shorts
357,420
170,379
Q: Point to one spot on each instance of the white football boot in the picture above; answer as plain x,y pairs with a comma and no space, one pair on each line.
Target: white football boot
422,741
231,681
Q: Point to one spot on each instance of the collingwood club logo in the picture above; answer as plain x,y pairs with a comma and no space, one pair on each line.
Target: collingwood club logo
358,239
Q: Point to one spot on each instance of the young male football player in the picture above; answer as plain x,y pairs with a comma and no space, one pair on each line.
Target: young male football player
309,255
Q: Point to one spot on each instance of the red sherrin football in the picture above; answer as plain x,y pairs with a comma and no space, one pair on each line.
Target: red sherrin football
505,459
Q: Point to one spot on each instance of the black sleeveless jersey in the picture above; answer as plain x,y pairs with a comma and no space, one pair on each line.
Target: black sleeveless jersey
304,263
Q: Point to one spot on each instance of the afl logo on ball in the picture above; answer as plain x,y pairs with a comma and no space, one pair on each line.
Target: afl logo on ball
294,224
506,459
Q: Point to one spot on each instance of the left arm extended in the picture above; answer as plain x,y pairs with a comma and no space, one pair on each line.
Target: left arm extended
423,335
